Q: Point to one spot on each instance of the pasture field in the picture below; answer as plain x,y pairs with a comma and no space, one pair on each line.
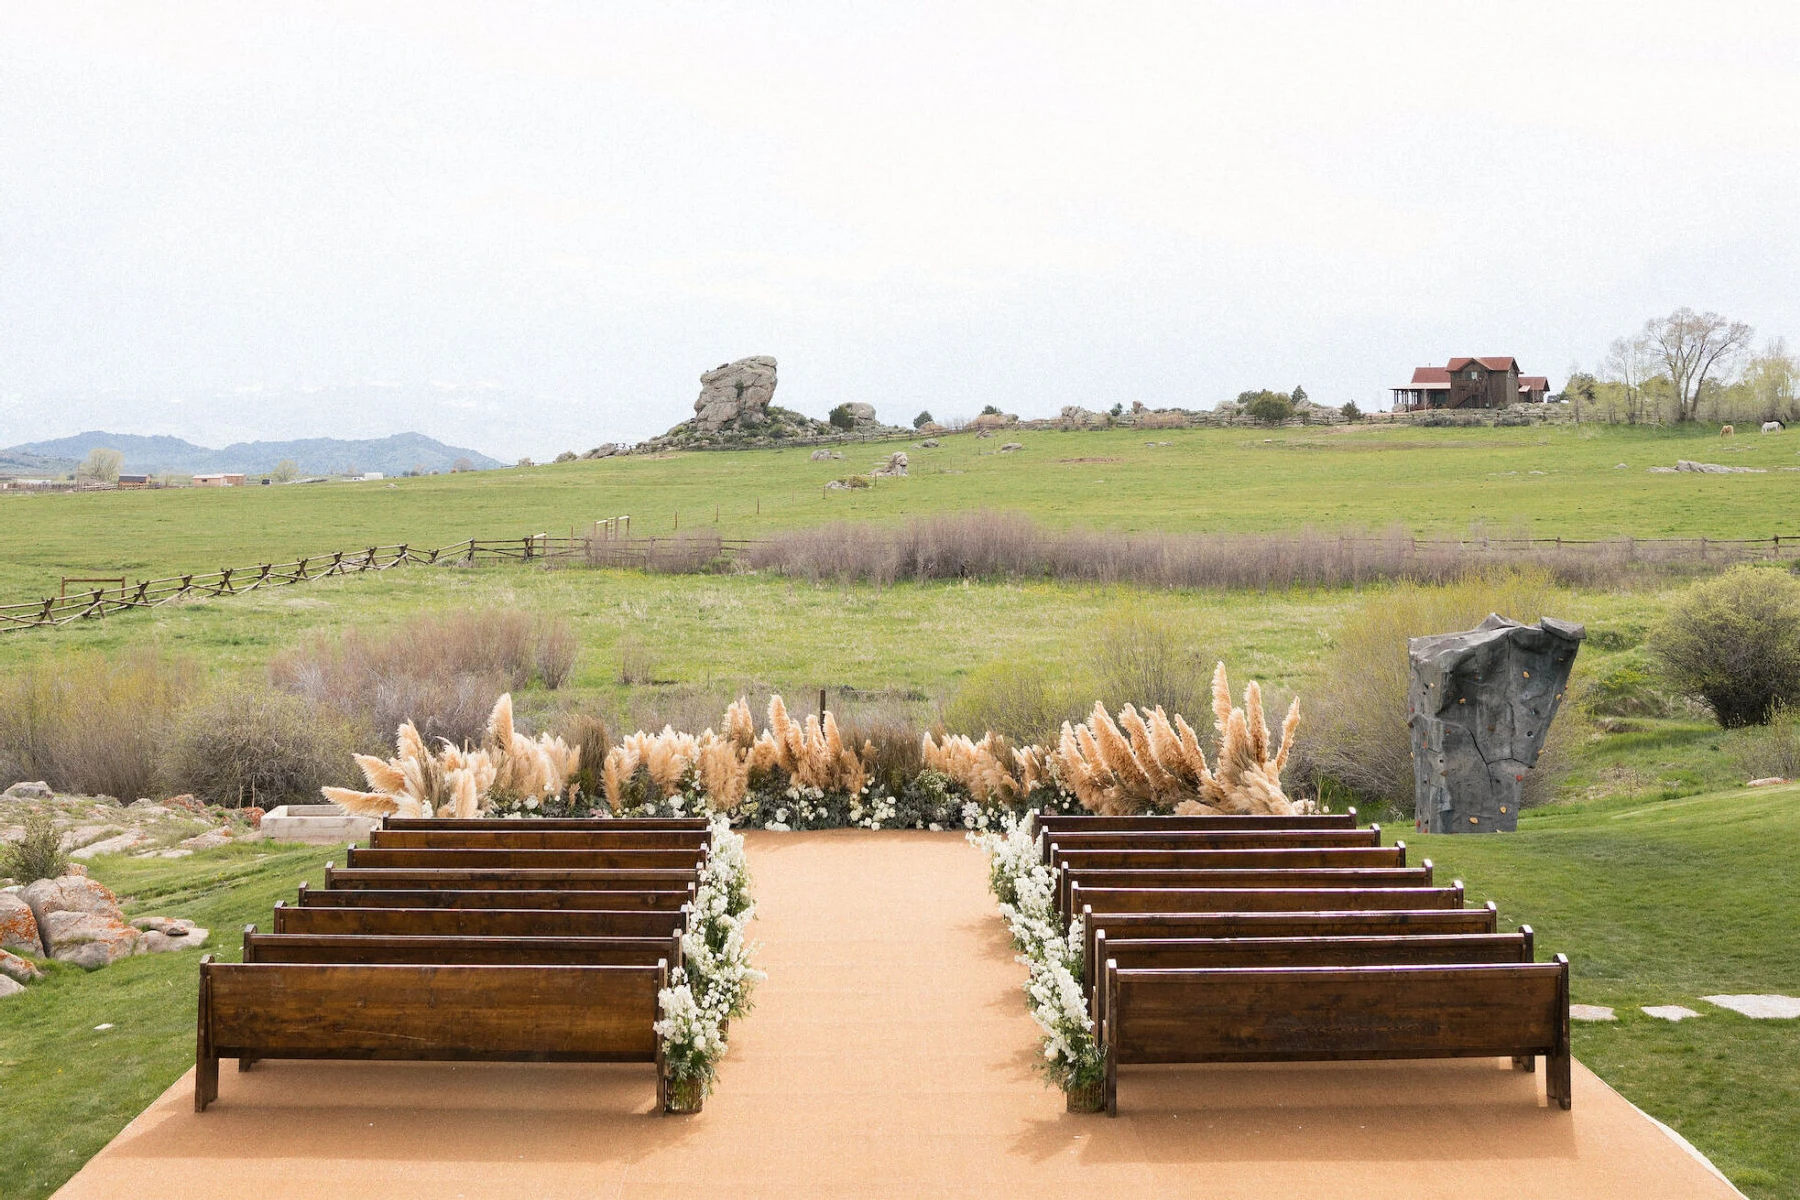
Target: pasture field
1550,480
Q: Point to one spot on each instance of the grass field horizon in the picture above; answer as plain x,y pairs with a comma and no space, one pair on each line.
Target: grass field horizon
1546,481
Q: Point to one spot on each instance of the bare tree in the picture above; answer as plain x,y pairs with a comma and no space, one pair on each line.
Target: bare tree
1774,380
1632,362
286,471
1692,346
101,464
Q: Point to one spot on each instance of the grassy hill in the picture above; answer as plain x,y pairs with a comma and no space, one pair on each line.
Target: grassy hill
1561,481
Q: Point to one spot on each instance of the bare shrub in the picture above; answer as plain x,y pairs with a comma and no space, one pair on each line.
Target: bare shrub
1146,660
687,707
887,734
980,544
591,739
245,745
679,554
37,855
1734,642
92,724
443,672
1356,733
1768,751
636,663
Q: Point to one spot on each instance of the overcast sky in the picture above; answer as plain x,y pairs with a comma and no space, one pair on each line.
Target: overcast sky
527,228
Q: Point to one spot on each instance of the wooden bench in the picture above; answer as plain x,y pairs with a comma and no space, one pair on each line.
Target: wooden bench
1285,857
1241,878
657,900
1348,923
484,857
1271,899
1201,839
1059,821
481,922
1332,950
465,879
440,950
584,824
532,838
448,1013
1301,1014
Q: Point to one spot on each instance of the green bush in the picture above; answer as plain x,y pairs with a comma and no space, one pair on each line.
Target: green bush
1768,751
245,745
1016,698
922,420
1734,643
90,724
37,855
1629,686
1271,408
840,417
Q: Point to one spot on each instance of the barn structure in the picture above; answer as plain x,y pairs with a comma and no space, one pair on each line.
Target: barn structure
1492,382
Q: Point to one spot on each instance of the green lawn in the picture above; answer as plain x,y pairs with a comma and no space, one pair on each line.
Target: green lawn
1551,480
1663,903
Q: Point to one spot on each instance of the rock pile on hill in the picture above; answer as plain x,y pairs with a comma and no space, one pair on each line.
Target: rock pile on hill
736,408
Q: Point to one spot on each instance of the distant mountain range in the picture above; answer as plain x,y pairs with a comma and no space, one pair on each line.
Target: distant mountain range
313,456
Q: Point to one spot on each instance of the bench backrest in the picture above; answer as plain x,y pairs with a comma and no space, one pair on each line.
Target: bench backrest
460,951
486,857
1252,877
1058,821
463,879
659,901
1230,839
461,824
532,838
1263,1014
532,1013
1362,923
1177,900
1284,857
480,922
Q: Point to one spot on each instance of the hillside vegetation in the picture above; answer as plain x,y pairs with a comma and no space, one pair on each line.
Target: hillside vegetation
1550,481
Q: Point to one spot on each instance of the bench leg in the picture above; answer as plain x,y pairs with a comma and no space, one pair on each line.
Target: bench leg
1110,1080
245,1062
206,1063
1525,1062
1558,1083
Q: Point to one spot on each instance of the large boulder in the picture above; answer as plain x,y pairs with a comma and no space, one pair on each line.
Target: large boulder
71,893
9,987
735,393
29,791
17,969
862,414
164,934
1479,707
80,922
18,925
894,467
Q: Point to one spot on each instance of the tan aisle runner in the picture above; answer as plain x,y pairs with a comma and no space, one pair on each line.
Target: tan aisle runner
889,1055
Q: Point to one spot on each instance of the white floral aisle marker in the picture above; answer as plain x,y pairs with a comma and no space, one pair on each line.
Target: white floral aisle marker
1591,1012
1760,1007
1669,1012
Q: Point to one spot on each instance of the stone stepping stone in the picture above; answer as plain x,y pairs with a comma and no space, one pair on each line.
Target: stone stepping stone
1669,1012
1762,1008
1591,1012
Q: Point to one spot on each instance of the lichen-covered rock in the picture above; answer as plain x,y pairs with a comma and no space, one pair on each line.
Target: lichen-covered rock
212,839
38,790
71,893
17,968
90,940
131,839
9,987
735,393
164,934
18,925
1479,707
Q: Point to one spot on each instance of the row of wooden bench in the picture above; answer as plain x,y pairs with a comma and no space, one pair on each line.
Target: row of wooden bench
1248,939
466,940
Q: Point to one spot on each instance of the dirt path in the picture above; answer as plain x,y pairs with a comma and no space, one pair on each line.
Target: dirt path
889,1055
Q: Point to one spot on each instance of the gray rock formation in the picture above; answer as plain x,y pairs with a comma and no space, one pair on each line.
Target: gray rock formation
29,791
862,414
18,969
736,393
893,468
1479,707
9,987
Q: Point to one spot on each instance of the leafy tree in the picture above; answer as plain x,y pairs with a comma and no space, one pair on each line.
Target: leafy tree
840,417
1271,408
1299,395
286,471
923,419
1117,410
101,464
1350,411
988,410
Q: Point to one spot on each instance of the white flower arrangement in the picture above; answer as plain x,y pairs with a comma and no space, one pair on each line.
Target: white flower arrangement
715,981
1026,889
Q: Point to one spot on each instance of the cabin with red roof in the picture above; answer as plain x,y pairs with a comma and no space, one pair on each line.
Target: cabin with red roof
1471,383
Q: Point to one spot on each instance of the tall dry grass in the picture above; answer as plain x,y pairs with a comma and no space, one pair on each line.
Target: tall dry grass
1357,735
440,671
93,724
990,544
244,745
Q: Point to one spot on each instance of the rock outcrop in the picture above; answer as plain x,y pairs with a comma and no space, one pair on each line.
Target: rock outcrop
1479,708
893,468
18,969
735,393
18,925
80,922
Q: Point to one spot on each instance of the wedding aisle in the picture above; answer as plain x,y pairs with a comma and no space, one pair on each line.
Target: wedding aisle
890,1054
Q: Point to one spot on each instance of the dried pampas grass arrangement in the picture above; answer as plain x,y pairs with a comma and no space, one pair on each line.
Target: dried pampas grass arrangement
1147,761
461,781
